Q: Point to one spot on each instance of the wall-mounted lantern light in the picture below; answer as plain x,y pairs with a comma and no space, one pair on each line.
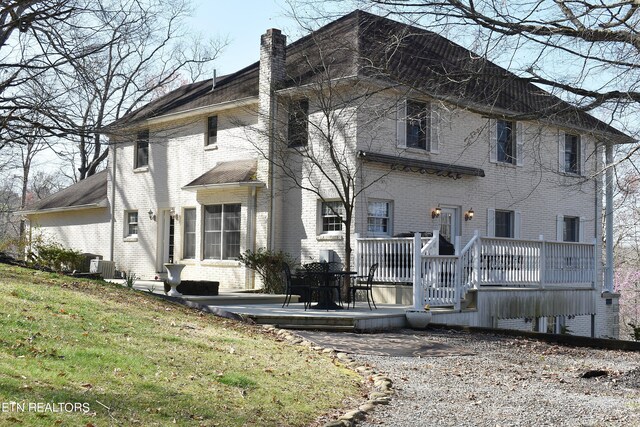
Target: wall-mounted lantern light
151,215
436,212
173,214
468,215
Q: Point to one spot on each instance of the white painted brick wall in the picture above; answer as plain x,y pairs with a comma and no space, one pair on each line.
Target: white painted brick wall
85,230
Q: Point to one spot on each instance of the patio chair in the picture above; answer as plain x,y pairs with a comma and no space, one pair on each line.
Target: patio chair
366,286
321,282
288,287
294,285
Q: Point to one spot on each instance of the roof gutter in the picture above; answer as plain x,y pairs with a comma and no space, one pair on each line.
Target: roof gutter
102,204
242,102
250,184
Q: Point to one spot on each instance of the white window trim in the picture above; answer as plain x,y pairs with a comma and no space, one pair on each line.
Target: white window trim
560,227
517,223
320,221
389,218
518,148
435,127
561,154
145,167
203,231
207,144
131,237
184,228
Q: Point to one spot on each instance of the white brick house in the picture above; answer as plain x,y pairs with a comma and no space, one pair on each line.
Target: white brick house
432,137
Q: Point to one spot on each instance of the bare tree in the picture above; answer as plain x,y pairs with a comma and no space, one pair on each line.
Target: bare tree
93,61
148,51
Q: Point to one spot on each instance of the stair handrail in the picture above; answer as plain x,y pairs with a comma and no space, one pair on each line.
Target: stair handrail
426,249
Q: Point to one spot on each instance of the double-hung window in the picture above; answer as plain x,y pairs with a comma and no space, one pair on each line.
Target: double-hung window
571,154
298,126
506,142
332,213
222,231
132,224
503,223
569,228
189,246
378,218
142,149
418,125
212,131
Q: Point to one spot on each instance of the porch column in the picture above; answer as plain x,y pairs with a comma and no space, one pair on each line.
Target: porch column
418,288
608,217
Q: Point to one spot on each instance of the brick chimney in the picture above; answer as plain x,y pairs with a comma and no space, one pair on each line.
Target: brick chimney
272,59
272,74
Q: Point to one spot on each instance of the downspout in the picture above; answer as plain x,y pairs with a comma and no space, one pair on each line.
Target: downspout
608,275
113,206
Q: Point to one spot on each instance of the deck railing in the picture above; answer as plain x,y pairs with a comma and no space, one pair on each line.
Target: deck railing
486,261
394,256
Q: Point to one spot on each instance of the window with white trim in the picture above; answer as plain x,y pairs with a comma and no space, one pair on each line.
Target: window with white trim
379,217
132,223
332,213
298,125
569,228
212,130
222,231
503,223
189,223
571,154
418,125
506,142
142,149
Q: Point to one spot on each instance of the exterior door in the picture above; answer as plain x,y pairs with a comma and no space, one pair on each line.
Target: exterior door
166,239
450,223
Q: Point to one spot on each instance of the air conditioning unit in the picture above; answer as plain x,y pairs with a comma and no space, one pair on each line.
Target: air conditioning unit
106,269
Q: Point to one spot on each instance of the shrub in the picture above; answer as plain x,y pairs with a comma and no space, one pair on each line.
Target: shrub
268,264
56,257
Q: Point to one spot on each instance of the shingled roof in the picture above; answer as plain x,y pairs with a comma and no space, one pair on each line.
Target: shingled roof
236,172
88,193
366,45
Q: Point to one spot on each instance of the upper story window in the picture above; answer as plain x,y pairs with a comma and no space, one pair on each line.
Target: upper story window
212,130
379,217
189,245
222,231
132,223
142,149
417,125
298,127
571,154
332,213
506,142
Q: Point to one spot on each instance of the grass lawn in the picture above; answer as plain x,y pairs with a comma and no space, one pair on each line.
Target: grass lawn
124,357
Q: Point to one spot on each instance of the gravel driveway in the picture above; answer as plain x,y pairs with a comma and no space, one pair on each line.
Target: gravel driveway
507,381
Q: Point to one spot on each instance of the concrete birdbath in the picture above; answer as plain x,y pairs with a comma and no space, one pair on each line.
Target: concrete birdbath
173,278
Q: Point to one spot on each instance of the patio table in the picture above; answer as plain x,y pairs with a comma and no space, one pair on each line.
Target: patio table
325,296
